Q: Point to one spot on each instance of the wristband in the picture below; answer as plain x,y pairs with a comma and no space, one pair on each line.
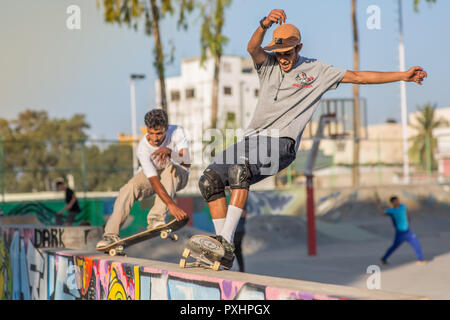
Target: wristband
261,24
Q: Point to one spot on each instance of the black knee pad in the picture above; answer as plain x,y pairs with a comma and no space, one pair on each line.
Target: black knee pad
239,176
211,185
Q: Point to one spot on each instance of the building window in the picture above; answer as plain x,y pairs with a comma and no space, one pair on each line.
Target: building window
175,95
190,93
247,70
227,91
256,92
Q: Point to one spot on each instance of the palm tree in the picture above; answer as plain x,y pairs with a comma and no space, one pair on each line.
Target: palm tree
423,141
212,43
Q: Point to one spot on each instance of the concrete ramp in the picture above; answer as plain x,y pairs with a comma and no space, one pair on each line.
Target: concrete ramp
64,274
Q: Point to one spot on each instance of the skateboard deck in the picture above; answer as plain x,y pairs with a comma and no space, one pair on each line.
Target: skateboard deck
164,231
206,252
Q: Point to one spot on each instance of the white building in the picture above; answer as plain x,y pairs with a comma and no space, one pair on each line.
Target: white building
189,99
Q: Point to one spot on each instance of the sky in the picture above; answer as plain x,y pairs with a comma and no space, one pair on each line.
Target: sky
46,66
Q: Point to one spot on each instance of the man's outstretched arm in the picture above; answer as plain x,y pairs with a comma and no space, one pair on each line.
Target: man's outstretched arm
254,45
415,74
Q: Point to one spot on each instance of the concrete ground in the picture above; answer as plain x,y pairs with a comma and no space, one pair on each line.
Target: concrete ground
351,236
347,264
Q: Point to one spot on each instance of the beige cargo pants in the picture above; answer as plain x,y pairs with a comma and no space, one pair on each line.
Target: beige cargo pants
174,178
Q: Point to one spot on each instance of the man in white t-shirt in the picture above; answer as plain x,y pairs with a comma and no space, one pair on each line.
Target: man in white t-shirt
163,154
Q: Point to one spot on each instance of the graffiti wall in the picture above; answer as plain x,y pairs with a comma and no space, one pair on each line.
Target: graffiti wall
24,262
92,278
28,272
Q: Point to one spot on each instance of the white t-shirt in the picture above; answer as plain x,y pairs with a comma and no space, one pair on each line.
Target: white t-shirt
175,141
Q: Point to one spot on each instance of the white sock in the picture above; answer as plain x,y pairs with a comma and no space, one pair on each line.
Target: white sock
218,224
231,222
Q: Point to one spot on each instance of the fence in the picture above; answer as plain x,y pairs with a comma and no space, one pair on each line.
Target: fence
87,165
105,165
380,163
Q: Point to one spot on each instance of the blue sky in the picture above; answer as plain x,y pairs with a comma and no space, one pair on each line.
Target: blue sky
46,66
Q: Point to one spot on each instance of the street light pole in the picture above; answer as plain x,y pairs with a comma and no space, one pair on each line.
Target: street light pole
134,77
404,107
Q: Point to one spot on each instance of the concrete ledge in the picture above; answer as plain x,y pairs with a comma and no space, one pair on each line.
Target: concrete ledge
30,272
149,279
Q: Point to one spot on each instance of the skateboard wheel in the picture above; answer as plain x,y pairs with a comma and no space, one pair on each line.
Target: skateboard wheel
112,252
186,253
174,237
164,234
216,266
182,263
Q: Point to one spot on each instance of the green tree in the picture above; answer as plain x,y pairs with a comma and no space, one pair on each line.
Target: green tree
115,160
132,12
67,148
417,2
212,43
38,149
427,121
31,130
9,156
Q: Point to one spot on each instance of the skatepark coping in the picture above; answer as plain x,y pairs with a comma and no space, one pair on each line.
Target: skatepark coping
34,271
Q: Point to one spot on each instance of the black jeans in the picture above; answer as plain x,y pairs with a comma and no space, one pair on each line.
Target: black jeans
266,156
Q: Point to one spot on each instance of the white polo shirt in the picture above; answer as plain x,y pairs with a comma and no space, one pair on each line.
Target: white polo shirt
175,140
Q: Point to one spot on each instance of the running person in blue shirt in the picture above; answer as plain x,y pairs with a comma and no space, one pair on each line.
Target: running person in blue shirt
400,220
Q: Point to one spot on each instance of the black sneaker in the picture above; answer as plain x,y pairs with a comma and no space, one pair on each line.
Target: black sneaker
228,258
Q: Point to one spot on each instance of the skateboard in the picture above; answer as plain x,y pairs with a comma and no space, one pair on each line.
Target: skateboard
207,252
164,231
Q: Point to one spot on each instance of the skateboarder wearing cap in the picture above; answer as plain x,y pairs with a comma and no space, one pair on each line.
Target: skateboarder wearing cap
163,154
291,87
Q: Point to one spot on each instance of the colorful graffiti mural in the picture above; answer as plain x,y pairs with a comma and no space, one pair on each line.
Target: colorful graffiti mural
31,273
23,263
98,279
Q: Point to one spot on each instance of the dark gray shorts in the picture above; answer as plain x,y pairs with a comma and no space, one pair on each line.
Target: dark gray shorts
266,155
